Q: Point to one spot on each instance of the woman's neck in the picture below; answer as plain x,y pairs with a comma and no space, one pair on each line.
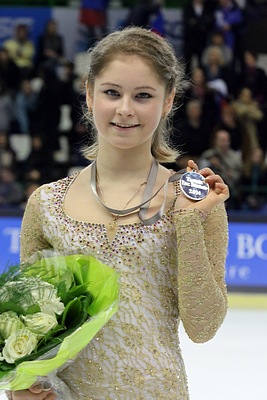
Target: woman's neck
123,167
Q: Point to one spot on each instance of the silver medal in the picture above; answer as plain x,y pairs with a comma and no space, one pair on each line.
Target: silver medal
193,185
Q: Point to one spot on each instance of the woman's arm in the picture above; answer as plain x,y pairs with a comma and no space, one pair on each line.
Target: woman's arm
202,246
32,238
202,240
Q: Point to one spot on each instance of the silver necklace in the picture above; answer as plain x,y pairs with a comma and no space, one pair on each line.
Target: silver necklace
147,195
114,224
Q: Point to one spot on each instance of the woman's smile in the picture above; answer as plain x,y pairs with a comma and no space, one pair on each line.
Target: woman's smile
124,127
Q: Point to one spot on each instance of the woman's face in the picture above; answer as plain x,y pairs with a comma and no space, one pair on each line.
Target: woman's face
128,100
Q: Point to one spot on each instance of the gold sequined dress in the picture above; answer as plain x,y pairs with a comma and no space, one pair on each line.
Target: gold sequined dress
136,356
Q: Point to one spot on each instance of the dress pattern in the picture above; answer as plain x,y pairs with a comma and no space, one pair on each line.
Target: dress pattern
136,355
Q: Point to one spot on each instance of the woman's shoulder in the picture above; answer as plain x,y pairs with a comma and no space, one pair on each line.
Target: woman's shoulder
56,188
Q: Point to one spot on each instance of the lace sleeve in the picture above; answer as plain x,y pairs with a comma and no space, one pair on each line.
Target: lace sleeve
33,240
202,246
31,236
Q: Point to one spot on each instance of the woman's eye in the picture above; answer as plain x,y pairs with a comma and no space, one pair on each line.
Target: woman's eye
143,96
111,92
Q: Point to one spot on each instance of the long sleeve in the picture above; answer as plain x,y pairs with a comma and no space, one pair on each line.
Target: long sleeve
31,237
202,247
33,240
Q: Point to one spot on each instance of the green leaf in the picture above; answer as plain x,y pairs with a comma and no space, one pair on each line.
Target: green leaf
74,292
9,274
72,313
35,308
11,306
4,367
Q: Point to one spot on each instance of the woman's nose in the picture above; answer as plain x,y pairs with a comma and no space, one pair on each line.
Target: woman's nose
125,107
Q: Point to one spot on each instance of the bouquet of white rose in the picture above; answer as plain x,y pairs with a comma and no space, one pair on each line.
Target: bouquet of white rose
49,311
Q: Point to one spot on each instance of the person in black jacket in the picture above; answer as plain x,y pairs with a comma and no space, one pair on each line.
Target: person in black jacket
140,13
253,77
198,21
50,46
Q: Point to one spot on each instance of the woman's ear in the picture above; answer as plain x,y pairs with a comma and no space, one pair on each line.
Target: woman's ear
168,104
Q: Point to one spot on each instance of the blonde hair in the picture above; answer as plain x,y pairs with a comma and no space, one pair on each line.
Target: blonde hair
160,56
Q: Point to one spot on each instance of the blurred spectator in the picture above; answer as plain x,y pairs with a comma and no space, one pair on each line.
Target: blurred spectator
8,156
217,39
67,79
192,135
253,77
33,175
79,130
249,114
11,192
9,71
254,181
198,21
229,122
199,90
228,21
214,72
140,14
28,189
46,117
219,76
25,104
50,50
225,161
6,109
37,161
22,50
93,15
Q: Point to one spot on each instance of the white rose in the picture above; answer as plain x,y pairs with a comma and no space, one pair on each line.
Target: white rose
9,323
40,323
19,344
47,299
53,306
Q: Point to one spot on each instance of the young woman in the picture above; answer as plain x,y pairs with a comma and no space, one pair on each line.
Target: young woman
170,252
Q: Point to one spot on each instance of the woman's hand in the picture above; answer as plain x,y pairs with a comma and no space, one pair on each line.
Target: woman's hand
35,392
219,191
